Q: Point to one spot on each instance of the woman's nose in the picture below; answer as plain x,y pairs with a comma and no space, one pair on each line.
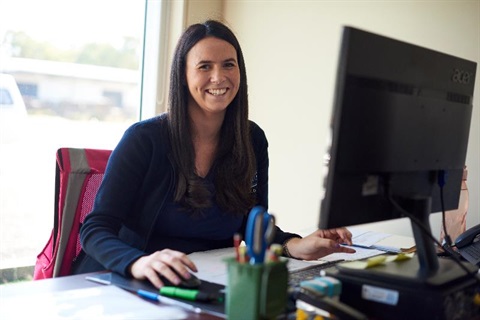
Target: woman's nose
217,76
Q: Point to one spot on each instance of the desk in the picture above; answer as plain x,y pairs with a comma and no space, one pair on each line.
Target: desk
62,284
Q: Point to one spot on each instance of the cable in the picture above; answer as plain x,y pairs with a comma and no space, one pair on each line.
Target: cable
441,183
447,246
428,233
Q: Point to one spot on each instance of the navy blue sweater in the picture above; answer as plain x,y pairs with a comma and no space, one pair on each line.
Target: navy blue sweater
133,198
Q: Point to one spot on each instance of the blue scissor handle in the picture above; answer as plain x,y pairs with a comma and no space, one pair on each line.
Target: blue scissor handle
259,233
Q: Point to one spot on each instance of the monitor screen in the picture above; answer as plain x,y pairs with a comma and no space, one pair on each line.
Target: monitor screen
400,128
400,122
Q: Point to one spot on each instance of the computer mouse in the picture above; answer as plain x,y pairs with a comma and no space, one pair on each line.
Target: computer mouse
192,283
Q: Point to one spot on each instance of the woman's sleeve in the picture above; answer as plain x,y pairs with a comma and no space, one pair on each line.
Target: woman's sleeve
114,201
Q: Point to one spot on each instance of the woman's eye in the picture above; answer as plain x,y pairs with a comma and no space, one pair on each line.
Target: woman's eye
204,67
229,65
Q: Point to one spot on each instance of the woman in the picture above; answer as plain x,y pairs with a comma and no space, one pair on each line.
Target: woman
186,180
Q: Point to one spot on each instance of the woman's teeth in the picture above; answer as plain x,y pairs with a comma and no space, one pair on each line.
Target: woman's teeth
217,92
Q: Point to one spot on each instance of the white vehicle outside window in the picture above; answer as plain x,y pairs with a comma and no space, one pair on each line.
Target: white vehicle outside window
13,112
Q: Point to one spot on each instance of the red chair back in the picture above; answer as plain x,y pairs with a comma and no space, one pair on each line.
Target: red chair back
79,173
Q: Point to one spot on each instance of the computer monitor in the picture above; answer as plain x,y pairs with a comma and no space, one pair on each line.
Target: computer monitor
400,125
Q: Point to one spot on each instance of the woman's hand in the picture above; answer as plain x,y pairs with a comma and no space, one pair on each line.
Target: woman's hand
320,243
161,263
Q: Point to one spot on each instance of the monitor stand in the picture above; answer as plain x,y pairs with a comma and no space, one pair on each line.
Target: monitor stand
420,287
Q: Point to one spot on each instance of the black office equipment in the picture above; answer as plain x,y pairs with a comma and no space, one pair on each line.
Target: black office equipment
468,244
192,283
133,285
400,128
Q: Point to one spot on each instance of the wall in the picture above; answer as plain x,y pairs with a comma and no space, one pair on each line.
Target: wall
291,50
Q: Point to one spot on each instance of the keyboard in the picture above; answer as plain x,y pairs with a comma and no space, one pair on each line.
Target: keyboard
297,276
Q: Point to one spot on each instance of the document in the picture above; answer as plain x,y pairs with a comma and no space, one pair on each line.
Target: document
361,253
103,302
369,244
363,237
211,264
212,267
382,241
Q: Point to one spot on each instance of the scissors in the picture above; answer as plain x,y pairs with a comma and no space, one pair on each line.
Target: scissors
259,233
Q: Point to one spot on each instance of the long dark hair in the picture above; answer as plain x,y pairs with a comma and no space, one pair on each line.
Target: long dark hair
235,159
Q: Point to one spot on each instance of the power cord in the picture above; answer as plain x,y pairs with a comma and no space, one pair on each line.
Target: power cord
447,245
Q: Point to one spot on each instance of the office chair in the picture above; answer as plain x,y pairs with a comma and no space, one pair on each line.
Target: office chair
78,175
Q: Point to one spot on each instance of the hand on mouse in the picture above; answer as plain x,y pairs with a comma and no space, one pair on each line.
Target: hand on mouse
163,263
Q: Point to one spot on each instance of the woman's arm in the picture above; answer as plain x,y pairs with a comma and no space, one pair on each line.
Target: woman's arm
114,203
320,243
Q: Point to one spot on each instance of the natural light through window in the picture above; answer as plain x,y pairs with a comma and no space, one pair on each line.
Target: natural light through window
70,77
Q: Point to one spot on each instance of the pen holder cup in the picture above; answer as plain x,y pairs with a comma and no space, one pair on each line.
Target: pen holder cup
256,291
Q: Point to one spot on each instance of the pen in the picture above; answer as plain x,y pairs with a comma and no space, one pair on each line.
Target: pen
358,246
237,239
156,297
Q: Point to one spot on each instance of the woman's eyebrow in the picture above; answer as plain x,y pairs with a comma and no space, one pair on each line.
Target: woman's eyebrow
210,61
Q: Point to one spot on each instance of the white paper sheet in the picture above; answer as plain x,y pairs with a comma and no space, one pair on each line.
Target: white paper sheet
212,267
361,253
102,302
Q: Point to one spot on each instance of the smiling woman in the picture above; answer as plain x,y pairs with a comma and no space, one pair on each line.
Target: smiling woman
80,81
213,75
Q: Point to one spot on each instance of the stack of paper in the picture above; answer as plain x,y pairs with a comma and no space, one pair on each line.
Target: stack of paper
396,244
370,244
382,241
212,266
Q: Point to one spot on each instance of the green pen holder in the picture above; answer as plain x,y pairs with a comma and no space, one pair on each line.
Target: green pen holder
256,291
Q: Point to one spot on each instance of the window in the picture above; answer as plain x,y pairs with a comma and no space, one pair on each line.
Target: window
80,80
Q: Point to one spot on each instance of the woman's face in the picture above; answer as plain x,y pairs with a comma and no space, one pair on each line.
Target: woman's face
212,74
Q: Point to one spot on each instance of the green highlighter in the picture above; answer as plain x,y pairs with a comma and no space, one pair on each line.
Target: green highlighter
189,294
